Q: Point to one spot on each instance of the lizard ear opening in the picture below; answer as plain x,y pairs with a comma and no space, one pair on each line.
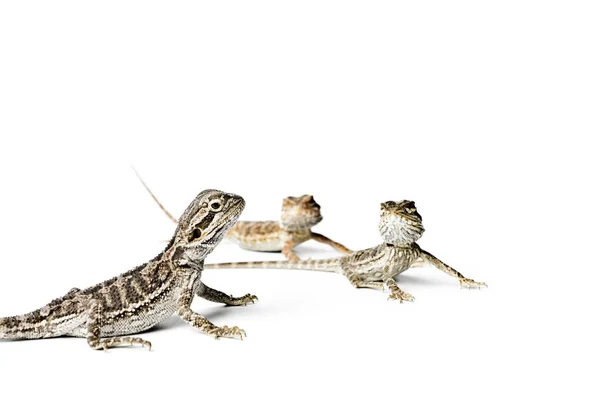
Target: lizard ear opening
196,234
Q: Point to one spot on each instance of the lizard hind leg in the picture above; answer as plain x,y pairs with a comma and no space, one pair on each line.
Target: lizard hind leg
94,339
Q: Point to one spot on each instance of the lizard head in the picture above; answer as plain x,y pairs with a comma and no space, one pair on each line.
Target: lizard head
204,224
400,223
299,213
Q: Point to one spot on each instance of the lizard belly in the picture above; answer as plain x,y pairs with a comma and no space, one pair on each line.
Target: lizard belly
393,261
137,317
262,244
140,322
372,272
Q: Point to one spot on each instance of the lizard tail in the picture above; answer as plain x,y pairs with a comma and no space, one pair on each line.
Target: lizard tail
167,213
27,326
44,322
326,265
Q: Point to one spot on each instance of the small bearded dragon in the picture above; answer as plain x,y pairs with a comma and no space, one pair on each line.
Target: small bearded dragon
298,216
146,295
400,227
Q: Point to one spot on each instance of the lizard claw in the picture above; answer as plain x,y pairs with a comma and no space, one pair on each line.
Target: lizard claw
249,299
244,300
143,342
225,331
470,283
401,296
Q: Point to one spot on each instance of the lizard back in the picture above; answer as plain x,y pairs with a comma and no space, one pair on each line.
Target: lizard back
264,235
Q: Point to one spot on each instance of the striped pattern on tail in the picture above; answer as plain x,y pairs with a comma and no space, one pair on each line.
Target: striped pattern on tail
27,326
57,318
326,265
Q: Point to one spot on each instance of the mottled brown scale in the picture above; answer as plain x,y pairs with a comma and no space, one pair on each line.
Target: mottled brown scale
400,227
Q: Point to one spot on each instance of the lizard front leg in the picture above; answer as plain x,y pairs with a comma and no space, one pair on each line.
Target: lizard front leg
217,296
324,239
288,250
185,312
464,282
397,293
94,339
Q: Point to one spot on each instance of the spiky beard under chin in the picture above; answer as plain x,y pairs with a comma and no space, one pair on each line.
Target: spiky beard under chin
399,231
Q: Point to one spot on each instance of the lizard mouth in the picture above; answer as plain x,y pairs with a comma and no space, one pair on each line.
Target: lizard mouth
234,213
230,217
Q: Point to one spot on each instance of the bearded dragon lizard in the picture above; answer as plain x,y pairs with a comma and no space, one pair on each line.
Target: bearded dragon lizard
298,216
144,296
400,227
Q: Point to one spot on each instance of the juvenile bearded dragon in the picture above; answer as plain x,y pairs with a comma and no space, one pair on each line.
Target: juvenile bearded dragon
400,227
146,295
298,216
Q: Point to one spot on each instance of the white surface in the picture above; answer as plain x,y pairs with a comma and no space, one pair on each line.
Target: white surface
485,114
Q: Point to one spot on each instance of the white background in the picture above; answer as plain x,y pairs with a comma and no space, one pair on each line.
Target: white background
483,113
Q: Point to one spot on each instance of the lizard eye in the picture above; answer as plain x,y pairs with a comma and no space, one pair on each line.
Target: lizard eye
215,205
410,210
196,233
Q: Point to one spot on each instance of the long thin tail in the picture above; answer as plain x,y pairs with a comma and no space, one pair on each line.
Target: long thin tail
26,326
171,217
326,265
56,318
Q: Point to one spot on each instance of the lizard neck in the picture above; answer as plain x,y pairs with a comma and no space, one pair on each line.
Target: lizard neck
299,224
296,229
402,246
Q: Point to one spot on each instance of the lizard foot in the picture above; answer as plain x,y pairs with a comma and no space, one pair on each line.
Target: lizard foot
470,283
107,343
244,300
292,257
225,331
401,296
